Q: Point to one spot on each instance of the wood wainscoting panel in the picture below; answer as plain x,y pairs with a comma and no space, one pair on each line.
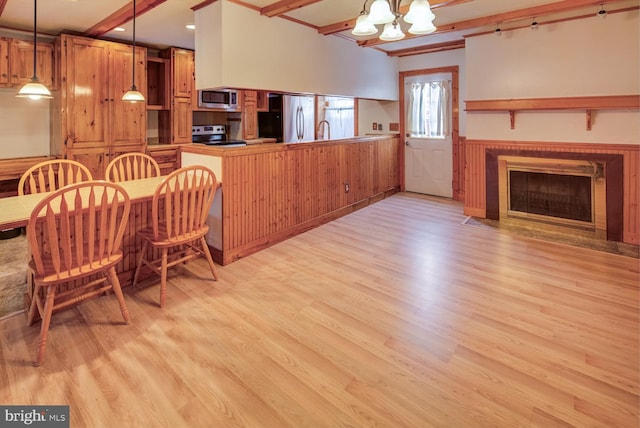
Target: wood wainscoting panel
269,196
475,203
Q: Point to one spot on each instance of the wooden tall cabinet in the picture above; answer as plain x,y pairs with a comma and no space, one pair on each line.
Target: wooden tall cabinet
90,121
175,124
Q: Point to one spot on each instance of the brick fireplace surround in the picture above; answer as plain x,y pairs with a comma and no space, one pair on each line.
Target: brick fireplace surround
621,174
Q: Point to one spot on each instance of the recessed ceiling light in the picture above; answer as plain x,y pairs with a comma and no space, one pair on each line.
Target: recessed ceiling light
190,26
119,29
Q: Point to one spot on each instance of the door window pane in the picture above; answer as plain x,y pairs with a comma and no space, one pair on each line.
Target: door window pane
428,109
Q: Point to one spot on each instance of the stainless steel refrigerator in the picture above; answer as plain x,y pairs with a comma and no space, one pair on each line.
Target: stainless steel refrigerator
298,112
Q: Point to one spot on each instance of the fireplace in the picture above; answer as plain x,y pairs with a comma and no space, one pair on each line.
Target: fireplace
571,190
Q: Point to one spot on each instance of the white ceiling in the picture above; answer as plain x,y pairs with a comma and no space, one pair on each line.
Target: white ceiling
164,25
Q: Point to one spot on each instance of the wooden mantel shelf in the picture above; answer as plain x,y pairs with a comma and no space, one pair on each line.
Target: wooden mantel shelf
613,102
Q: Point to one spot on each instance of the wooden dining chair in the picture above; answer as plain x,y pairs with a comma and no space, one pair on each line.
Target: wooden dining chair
52,175
131,166
74,237
179,211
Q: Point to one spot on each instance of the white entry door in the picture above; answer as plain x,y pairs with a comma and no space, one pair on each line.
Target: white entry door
428,142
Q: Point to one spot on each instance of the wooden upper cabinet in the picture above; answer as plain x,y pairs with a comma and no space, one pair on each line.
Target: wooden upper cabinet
182,70
16,63
262,101
21,63
4,61
249,115
128,119
85,87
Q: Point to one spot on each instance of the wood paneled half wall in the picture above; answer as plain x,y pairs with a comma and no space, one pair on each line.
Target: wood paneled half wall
276,191
476,152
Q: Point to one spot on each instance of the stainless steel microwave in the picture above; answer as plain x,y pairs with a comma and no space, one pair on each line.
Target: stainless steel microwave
218,98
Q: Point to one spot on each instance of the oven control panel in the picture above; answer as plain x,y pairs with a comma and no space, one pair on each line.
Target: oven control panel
208,130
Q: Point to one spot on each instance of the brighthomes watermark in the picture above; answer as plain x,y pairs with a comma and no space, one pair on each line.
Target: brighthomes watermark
34,416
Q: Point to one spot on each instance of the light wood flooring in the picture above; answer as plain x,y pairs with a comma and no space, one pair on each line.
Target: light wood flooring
397,315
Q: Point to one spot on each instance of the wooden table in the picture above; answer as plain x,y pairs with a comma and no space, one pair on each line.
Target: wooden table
15,210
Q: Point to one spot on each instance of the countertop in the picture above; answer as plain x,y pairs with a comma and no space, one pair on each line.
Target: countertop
275,147
261,141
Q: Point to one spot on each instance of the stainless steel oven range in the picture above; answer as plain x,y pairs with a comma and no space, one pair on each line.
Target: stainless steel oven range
214,135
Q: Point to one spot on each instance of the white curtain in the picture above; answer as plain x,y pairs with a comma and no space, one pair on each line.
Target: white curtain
428,107
340,114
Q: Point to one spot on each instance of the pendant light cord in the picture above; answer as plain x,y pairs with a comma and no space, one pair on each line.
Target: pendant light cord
35,43
133,73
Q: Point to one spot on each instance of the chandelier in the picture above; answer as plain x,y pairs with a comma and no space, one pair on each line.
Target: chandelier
387,12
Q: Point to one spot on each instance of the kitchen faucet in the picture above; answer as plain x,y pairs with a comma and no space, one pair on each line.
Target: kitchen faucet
328,128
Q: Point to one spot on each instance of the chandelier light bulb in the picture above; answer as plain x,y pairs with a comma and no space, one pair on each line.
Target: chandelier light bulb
392,32
380,12
364,27
419,13
421,29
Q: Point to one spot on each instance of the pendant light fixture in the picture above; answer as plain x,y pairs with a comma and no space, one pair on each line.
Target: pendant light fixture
133,95
387,12
34,89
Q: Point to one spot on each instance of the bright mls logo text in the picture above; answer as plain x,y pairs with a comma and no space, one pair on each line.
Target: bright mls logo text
38,416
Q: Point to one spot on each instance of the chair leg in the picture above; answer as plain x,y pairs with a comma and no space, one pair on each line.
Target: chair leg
143,251
46,320
207,254
163,277
33,307
115,283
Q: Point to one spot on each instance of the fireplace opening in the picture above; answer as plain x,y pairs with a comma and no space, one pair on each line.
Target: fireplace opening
555,192
551,195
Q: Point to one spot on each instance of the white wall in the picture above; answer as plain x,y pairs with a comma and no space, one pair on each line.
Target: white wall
237,47
383,112
450,58
584,57
24,126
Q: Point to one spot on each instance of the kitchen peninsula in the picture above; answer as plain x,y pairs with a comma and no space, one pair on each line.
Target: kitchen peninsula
271,192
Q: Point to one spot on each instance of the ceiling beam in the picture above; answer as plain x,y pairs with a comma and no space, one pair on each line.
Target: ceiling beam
3,3
284,6
121,16
349,24
436,47
527,13
202,4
